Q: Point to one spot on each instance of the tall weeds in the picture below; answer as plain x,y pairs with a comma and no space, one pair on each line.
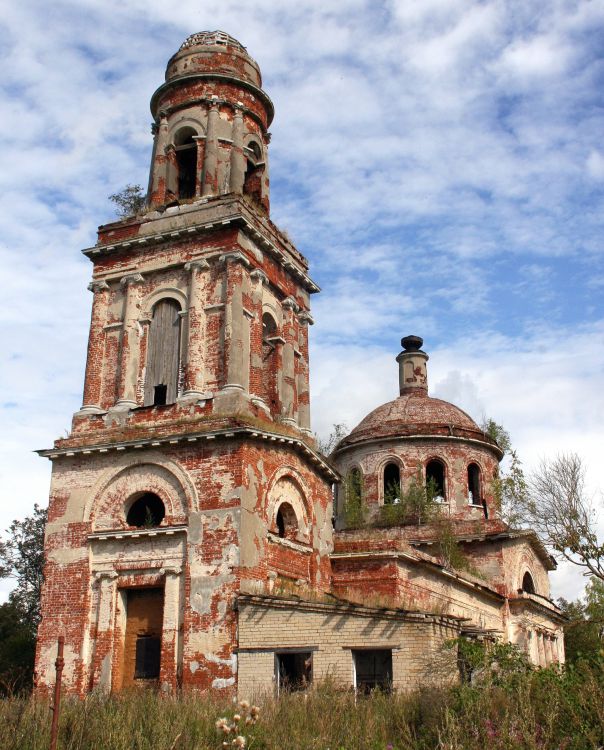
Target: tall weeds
542,710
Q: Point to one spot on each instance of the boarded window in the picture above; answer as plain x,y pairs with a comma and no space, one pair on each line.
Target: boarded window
392,484
435,480
142,643
163,354
373,670
294,670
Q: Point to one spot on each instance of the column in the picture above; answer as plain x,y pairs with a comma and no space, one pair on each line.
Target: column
159,163
288,379
549,657
91,403
170,642
257,364
237,176
541,649
265,197
210,161
102,660
237,366
305,319
195,376
129,355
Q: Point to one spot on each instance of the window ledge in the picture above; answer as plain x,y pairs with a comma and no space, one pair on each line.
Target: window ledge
136,533
298,546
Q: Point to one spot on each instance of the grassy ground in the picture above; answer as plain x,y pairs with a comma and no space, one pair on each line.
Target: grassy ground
543,710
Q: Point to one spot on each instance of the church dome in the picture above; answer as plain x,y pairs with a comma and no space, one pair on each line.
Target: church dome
416,413
213,52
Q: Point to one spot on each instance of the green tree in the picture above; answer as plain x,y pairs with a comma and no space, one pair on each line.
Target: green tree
128,201
17,650
584,633
510,484
22,558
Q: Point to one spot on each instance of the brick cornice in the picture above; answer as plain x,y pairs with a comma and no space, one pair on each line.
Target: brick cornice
229,433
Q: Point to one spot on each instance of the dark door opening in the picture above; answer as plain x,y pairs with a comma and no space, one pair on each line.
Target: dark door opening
142,643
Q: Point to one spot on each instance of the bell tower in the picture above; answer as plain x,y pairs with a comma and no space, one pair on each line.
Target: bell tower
190,473
211,120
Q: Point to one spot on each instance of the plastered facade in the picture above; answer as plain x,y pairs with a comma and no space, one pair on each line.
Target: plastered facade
191,472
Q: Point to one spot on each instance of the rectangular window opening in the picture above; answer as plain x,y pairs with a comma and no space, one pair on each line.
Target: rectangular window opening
294,670
160,394
373,670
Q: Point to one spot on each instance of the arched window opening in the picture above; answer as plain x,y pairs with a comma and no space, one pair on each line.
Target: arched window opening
252,184
269,361
186,160
353,510
163,354
146,512
435,480
287,523
269,327
392,484
474,494
527,583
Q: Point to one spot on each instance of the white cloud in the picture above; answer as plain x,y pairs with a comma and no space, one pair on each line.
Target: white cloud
439,162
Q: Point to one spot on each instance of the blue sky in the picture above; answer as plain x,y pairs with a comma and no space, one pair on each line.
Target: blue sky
441,164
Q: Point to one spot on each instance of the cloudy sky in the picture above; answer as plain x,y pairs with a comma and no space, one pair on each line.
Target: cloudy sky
440,162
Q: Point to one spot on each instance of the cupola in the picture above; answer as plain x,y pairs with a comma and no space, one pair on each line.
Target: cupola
210,125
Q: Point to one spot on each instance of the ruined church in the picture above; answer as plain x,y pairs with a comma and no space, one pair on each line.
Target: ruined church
196,536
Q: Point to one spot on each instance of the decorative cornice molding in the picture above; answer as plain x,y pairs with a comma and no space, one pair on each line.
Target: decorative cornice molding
197,265
133,278
153,442
98,286
306,318
258,275
235,257
289,303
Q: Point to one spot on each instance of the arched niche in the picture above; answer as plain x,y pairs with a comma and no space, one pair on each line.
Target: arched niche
287,495
114,493
528,583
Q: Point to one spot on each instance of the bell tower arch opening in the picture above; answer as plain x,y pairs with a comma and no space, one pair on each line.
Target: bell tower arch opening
186,162
163,354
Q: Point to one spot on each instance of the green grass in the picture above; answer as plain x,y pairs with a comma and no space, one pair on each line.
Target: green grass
543,710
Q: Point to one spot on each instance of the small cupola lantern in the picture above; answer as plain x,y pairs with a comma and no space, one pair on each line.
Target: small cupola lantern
412,373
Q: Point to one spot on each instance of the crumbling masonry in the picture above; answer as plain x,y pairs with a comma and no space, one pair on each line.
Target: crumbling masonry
191,538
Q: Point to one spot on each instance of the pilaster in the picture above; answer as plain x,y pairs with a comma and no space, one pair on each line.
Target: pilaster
129,355
91,403
196,343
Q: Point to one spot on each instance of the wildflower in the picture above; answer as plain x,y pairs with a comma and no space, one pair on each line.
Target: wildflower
244,705
254,711
236,717
220,724
239,741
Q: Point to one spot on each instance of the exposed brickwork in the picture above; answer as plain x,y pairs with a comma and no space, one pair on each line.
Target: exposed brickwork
244,557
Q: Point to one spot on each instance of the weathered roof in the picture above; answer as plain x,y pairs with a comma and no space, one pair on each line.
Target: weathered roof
416,413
